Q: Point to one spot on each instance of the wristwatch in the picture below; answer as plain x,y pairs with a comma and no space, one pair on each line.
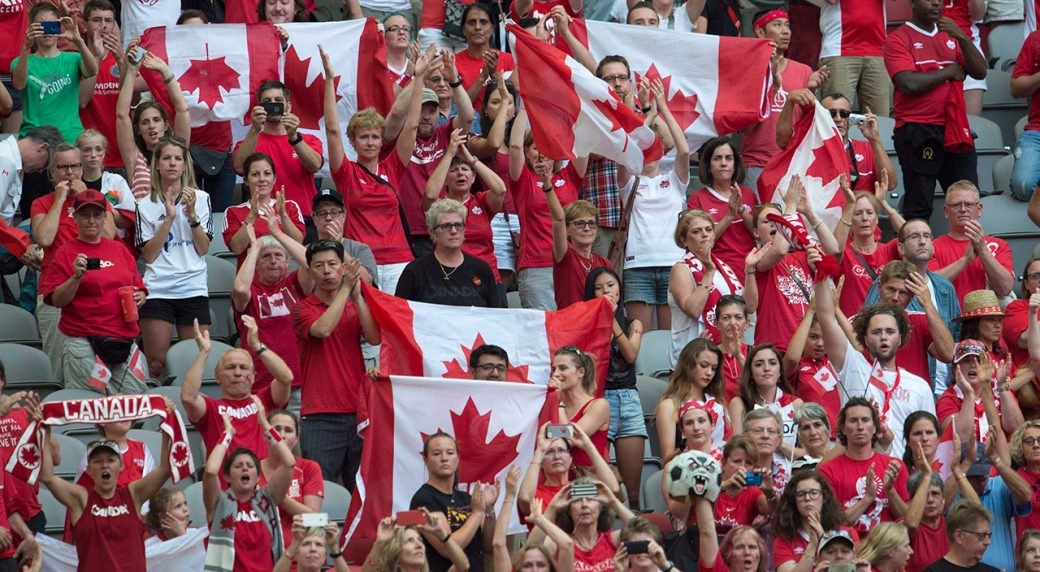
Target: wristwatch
546,188
261,349
194,222
456,83
296,141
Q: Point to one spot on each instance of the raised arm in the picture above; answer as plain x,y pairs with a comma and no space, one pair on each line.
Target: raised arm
563,28
73,496
181,117
834,339
211,489
280,478
529,486
559,219
785,122
486,147
600,468
406,140
144,488
464,113
563,541
709,540
191,398
241,287
682,148
281,385
502,559
435,184
915,510
496,197
517,160
796,345
333,133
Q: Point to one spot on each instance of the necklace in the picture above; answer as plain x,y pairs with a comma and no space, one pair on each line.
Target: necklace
581,261
447,275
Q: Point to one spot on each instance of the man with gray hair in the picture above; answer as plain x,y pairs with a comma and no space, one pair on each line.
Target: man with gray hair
765,428
30,154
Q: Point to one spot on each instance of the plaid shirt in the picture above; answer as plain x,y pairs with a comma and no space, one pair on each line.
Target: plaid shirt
601,189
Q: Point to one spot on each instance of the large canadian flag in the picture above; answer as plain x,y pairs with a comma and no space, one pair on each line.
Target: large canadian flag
435,341
714,85
573,113
358,54
815,153
494,424
218,66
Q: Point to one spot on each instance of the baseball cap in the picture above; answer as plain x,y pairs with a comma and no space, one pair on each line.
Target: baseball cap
430,96
102,444
967,348
981,467
90,198
326,195
835,536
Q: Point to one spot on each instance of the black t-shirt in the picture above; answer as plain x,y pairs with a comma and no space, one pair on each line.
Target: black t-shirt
621,374
96,185
469,284
944,565
720,15
456,507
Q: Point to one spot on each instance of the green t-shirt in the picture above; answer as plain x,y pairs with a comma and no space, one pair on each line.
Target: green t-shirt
51,94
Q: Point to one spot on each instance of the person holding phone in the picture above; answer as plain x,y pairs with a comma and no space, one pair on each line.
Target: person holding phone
401,547
586,510
310,547
741,550
531,556
641,548
806,510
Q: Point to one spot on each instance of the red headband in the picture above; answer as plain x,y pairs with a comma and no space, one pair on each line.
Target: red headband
705,406
769,17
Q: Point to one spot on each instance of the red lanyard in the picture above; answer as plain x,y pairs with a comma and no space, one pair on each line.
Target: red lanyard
879,382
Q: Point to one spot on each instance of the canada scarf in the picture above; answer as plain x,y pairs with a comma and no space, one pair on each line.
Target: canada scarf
220,555
26,460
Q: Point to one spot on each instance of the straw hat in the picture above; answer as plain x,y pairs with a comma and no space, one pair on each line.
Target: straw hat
979,303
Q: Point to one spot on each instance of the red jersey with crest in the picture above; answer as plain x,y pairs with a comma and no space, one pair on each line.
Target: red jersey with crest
271,305
243,418
817,382
298,181
25,497
760,141
857,278
782,299
848,479
109,533
100,112
910,48
852,28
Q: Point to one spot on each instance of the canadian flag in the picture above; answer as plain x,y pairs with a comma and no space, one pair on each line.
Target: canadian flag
100,375
136,365
218,66
824,380
432,340
817,154
572,112
494,425
945,456
714,85
358,54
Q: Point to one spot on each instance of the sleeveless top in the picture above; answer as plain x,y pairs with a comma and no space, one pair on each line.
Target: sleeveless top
597,559
110,535
599,440
685,328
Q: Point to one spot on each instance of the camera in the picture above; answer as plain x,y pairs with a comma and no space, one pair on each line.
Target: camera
753,478
559,432
857,119
273,109
93,263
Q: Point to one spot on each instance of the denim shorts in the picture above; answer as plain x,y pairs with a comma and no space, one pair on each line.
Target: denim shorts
626,413
648,284
16,94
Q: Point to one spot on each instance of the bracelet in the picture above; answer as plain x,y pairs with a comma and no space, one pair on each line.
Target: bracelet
169,79
846,222
749,271
272,436
260,350
297,140
194,223
226,440
456,83
335,555
646,109
817,225
447,537
547,188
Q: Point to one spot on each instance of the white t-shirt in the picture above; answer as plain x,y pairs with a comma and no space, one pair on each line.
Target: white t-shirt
655,212
10,177
913,393
139,15
679,20
119,195
178,271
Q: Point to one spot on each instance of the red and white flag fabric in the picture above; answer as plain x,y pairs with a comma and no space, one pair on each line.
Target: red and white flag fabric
714,85
218,66
816,154
495,425
137,364
945,456
824,380
572,112
100,375
358,54
433,340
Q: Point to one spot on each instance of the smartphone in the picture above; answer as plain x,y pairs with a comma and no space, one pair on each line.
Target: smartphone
51,28
314,519
411,518
273,109
93,263
753,478
842,567
857,119
136,55
559,432
583,491
637,546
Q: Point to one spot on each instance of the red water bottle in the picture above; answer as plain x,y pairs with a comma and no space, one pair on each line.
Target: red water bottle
128,304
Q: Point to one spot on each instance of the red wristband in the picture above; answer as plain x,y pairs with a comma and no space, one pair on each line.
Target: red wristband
272,436
225,440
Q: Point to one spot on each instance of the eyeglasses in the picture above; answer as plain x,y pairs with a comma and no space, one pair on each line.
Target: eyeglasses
490,367
398,30
613,78
583,223
1033,276
328,214
919,236
69,167
844,113
1030,441
963,206
450,226
979,535
811,494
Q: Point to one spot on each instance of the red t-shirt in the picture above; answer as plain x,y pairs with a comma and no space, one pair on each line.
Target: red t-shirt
913,357
816,382
718,566
25,497
847,478
333,366
540,8
1032,520
760,141
215,135
433,14
864,165
373,214
852,28
734,511
252,541
235,217
857,279
298,181
734,244
910,48
1016,322
580,458
100,112
306,481
243,418
1028,63
569,276
479,241
973,276
108,534
731,372
66,224
425,157
957,10
929,544
536,240
95,310
9,490
599,558
271,306
469,70
781,300
14,19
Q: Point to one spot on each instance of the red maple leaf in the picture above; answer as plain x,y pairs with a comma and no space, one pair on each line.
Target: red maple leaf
606,109
828,163
179,453
308,99
208,76
29,455
458,370
682,106
228,522
480,461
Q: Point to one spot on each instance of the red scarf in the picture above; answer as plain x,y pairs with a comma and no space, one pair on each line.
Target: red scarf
957,136
721,269
877,379
26,461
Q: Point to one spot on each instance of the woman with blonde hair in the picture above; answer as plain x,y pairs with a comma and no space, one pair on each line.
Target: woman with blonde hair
864,256
401,549
173,233
887,547
1025,454
697,375
311,547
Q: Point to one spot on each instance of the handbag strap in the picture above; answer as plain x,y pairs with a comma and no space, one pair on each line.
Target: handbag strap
863,261
626,213
400,207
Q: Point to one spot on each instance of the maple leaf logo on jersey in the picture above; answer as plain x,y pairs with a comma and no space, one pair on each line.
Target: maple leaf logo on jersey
228,522
480,460
456,370
208,77
308,99
180,454
29,455
682,106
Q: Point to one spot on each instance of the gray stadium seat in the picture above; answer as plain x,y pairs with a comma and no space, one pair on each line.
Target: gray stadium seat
653,499
18,325
654,353
337,500
183,353
151,439
53,510
650,391
1002,174
998,105
174,394
27,368
1005,41
989,147
513,299
72,452
219,275
216,244
196,506
1005,218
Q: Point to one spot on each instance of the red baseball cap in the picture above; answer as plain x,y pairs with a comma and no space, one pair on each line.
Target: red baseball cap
90,198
